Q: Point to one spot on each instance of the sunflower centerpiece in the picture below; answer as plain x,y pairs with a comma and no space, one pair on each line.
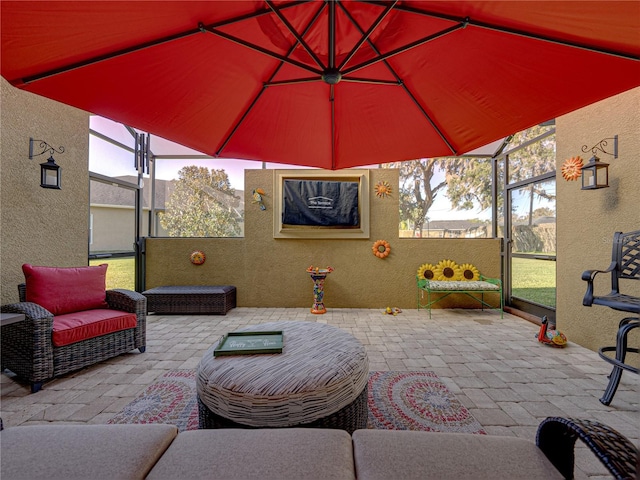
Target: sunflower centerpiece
426,271
447,270
469,273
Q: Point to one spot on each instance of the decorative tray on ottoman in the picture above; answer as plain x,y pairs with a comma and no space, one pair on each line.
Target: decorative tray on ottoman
249,343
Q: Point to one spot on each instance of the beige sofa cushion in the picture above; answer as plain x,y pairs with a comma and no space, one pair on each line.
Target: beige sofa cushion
278,454
385,454
67,452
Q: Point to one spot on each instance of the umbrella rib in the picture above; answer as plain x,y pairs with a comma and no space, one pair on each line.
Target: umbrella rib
108,56
372,81
331,23
259,49
297,36
143,46
264,86
401,83
366,35
404,48
296,81
513,31
332,100
543,38
258,13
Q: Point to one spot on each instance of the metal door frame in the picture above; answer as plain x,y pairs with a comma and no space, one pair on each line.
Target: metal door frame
524,305
141,156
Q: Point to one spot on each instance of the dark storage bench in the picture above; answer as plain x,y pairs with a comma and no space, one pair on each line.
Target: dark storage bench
195,299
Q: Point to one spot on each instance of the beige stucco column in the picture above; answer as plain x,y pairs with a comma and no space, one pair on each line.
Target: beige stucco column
587,219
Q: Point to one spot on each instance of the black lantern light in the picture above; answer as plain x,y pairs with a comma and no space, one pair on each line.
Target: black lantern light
595,174
50,171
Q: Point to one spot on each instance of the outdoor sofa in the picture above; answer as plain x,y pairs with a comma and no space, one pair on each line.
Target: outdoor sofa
157,451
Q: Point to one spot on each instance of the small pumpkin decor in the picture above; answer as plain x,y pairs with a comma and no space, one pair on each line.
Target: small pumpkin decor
447,270
198,257
427,271
469,273
381,249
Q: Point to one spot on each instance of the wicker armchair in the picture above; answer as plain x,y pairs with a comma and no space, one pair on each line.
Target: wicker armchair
28,351
557,436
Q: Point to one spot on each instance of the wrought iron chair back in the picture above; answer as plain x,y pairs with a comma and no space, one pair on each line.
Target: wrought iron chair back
625,265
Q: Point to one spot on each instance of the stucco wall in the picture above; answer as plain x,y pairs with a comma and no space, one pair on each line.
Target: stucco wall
38,225
270,272
587,219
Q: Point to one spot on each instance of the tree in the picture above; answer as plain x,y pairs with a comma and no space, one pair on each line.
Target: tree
542,212
465,184
202,204
416,194
534,159
467,181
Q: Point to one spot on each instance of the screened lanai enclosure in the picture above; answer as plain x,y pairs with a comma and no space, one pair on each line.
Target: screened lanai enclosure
515,174
327,84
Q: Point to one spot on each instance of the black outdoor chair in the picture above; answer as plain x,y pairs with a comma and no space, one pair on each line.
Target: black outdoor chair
625,265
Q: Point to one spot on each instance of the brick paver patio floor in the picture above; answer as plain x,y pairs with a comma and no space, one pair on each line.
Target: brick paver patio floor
494,366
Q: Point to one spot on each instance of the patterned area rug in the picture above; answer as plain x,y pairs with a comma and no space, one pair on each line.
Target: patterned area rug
416,401
397,401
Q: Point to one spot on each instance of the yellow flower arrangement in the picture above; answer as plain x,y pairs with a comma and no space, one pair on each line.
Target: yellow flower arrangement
469,272
447,270
381,249
427,271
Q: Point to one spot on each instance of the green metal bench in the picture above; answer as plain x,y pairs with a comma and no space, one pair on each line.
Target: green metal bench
441,289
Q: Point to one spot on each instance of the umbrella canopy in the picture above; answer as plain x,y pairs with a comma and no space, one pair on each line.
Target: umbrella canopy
330,84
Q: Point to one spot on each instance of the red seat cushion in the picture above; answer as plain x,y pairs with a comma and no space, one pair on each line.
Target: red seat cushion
66,290
75,327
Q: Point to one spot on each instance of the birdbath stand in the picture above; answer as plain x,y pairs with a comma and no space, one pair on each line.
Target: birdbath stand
318,275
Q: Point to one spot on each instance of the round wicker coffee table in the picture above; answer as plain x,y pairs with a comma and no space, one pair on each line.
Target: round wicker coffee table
319,380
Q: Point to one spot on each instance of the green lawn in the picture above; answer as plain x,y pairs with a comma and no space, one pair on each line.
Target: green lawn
534,280
121,272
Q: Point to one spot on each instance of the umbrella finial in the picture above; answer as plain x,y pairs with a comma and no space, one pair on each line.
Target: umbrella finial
331,76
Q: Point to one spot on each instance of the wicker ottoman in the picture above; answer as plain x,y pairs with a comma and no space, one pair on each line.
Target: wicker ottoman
192,299
319,380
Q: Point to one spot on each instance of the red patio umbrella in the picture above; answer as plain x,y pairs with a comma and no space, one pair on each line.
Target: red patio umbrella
329,84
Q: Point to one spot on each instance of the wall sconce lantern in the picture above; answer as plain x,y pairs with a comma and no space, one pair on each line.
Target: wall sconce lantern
50,171
595,174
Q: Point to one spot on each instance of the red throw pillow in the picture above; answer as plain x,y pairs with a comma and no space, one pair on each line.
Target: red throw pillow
66,290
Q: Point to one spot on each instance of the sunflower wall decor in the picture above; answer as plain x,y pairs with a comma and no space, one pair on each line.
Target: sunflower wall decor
198,257
469,273
447,270
427,271
383,189
572,168
381,249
